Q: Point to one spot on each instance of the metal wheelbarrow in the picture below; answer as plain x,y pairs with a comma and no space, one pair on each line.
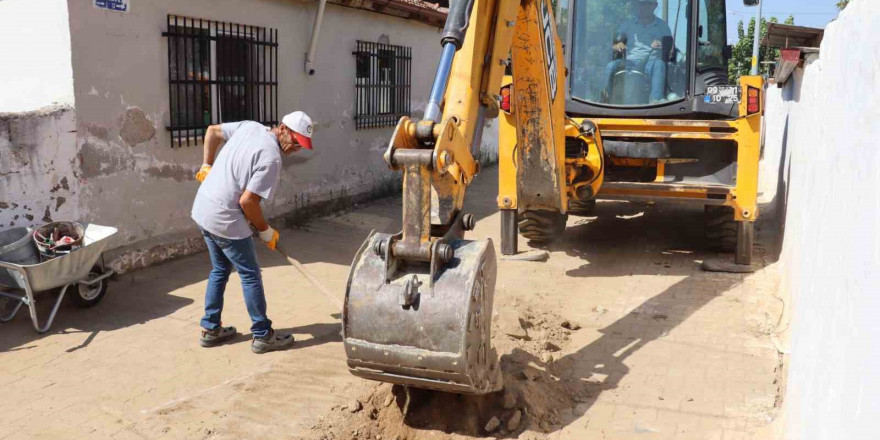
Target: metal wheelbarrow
77,270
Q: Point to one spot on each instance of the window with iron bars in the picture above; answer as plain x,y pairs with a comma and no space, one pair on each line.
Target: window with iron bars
382,84
219,72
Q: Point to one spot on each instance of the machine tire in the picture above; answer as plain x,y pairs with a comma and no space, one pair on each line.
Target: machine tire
720,228
582,209
84,296
541,226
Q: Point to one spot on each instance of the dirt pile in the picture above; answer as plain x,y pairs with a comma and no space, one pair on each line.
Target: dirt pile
534,398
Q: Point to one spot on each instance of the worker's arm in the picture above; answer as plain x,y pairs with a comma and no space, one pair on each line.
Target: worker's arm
250,205
213,139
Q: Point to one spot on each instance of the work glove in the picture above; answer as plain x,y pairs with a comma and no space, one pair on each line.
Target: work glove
270,237
203,172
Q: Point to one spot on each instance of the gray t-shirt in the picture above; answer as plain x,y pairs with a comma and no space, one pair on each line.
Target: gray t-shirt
640,37
250,160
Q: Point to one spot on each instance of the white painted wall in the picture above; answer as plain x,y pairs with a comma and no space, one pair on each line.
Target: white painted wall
827,122
35,48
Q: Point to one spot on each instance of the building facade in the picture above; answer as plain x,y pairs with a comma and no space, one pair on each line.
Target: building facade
102,110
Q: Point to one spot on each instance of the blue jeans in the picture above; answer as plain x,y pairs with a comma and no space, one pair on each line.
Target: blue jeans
226,254
655,69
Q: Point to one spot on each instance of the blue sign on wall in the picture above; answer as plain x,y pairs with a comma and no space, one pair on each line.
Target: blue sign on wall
113,5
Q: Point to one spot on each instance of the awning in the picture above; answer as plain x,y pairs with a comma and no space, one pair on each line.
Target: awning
784,35
793,42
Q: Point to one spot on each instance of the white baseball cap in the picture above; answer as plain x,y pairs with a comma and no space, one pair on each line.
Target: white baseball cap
301,124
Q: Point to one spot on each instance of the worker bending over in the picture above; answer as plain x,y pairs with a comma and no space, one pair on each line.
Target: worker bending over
234,183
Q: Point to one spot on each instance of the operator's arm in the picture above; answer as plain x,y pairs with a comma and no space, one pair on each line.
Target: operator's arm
250,205
664,33
620,38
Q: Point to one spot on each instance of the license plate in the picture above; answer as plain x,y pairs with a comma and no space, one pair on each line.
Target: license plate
723,94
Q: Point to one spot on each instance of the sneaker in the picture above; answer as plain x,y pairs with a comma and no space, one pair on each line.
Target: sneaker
271,342
211,338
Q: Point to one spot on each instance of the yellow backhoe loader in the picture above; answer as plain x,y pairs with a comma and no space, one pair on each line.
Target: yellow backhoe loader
637,107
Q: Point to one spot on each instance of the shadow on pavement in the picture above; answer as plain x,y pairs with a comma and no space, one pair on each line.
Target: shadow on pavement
621,234
601,365
321,333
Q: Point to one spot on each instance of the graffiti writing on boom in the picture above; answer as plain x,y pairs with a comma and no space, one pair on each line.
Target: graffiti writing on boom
549,49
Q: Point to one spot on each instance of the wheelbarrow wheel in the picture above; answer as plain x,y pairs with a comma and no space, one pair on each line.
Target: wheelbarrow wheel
84,295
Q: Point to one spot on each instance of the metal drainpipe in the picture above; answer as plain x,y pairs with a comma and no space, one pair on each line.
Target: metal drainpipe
757,43
313,44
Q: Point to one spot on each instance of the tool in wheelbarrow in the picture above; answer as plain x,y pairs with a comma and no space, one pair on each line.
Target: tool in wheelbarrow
76,271
58,238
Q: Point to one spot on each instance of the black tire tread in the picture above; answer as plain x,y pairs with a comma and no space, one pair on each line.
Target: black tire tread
582,209
720,228
541,226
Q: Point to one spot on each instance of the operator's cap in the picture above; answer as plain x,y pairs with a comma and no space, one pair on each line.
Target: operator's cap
301,124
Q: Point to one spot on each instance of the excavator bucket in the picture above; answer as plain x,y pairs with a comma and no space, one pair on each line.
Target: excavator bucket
407,324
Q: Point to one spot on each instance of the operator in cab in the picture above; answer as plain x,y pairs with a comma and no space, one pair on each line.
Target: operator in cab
641,40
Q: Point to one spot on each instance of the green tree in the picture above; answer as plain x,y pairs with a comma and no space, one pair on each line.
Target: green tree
741,59
842,4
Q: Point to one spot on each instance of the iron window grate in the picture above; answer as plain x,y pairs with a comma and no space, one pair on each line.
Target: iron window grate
382,84
219,72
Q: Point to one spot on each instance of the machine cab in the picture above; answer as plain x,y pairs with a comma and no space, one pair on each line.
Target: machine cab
645,58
